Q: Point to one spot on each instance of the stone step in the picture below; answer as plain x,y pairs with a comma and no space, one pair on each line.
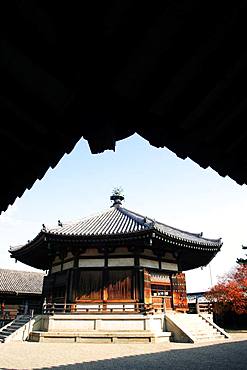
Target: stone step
202,326
101,337
197,320
126,333
10,328
207,335
193,322
204,330
4,335
23,319
21,322
194,332
6,331
210,338
212,335
15,326
201,323
197,327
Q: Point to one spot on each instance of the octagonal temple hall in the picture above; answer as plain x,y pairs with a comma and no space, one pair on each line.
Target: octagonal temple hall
116,261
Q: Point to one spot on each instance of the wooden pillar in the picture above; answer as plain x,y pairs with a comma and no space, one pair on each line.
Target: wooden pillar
105,278
172,299
147,287
104,285
140,285
70,286
135,290
66,290
75,278
51,256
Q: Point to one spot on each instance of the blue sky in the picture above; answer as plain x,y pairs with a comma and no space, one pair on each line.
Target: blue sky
156,183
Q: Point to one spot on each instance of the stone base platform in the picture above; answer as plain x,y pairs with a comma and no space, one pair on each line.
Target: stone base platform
101,322
104,328
100,337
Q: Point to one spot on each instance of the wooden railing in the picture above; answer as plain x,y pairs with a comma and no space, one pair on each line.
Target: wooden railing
205,307
103,308
12,310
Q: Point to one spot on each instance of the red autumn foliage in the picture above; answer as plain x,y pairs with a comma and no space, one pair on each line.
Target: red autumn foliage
230,294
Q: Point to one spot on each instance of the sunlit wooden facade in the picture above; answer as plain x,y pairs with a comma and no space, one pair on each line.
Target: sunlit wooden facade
118,260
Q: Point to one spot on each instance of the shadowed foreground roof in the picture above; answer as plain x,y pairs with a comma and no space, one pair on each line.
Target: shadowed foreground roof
174,72
21,282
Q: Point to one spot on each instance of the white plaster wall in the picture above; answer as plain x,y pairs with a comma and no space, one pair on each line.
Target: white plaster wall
149,263
169,266
91,262
56,268
68,265
114,262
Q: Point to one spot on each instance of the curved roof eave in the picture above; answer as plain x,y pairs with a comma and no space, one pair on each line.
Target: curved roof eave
32,243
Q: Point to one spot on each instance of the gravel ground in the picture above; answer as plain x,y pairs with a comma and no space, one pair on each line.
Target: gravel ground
230,354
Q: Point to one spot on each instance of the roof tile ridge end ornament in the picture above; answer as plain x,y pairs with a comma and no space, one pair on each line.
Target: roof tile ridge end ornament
140,219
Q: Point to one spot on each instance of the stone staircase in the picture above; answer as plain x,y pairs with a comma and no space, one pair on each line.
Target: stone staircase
194,328
10,329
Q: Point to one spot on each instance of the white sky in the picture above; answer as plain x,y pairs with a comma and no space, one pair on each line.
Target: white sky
156,184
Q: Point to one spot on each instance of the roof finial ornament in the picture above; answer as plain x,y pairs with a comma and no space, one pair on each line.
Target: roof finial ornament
117,196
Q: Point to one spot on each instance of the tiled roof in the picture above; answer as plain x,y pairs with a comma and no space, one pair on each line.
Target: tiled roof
14,281
116,220
119,220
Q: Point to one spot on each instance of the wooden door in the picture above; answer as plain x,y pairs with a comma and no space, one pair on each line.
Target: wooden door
179,294
161,296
